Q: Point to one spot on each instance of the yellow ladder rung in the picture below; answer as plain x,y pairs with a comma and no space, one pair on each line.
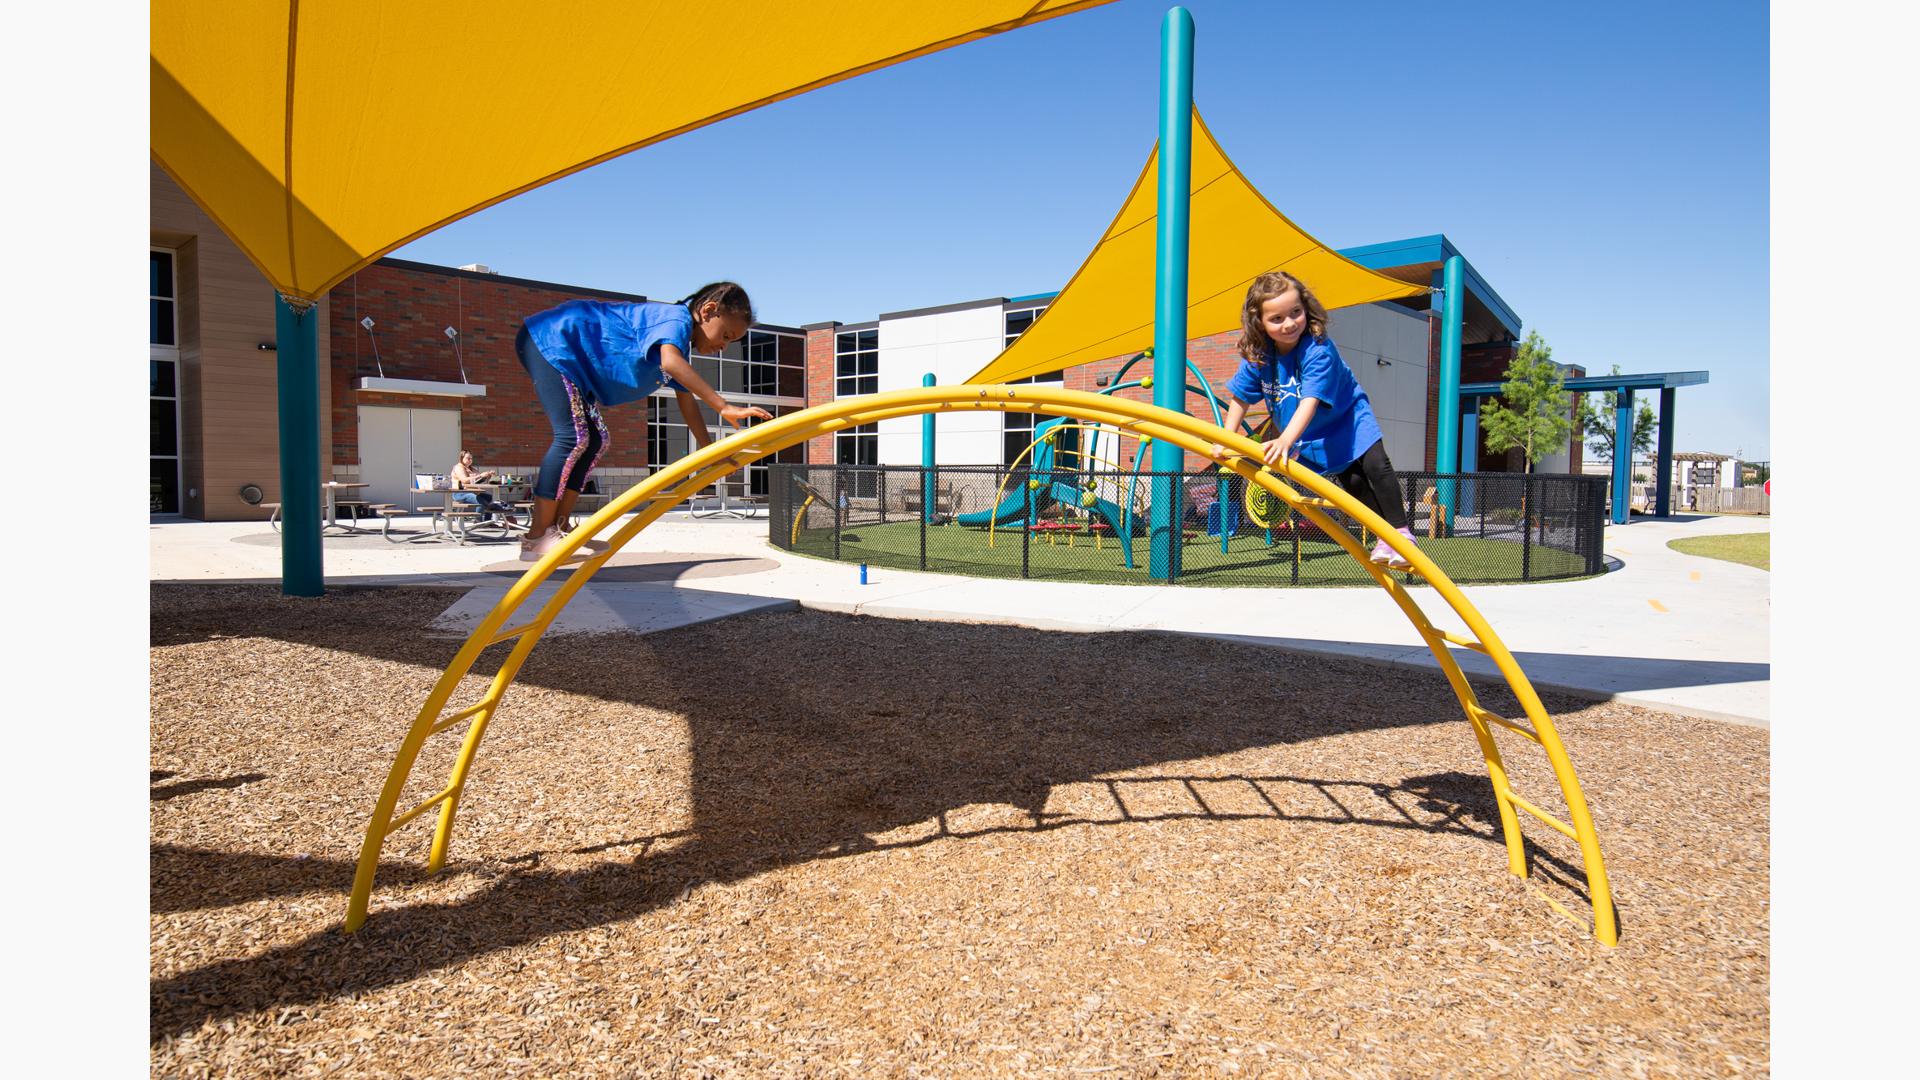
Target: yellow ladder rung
447,722
509,635
418,810
1465,643
1495,718
1541,814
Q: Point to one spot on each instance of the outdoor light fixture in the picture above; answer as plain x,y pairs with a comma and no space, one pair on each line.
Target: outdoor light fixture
1383,361
267,346
368,323
454,336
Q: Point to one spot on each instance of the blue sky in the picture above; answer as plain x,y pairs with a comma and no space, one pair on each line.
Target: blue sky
1606,171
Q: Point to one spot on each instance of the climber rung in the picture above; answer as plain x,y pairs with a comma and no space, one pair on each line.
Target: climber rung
446,722
1495,718
1309,500
509,635
1466,643
1541,814
421,809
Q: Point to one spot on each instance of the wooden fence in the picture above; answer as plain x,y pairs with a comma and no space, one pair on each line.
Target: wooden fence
1747,500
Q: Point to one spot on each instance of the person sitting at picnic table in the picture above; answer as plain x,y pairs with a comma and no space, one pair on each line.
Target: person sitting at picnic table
464,476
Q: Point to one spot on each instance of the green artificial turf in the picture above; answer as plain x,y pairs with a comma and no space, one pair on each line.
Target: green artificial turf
1751,549
1249,561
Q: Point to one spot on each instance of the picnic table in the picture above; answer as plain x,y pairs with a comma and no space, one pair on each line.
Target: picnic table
330,508
455,516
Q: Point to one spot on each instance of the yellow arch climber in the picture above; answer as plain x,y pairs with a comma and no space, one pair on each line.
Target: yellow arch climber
651,498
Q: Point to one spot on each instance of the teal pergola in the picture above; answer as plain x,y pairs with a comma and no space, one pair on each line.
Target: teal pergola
1623,387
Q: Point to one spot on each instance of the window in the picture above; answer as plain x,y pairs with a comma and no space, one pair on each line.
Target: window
1017,428
669,440
161,322
765,364
856,363
767,368
163,385
859,446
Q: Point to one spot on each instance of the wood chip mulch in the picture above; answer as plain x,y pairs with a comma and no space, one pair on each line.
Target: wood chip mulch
803,844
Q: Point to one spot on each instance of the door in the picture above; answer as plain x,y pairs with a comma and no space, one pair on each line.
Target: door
396,443
436,440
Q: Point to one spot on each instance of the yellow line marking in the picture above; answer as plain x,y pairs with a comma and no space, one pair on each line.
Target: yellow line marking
1657,605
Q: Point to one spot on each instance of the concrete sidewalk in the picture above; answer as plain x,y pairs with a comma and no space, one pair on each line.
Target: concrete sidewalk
1668,631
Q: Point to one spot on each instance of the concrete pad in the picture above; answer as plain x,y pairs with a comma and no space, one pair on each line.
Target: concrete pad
604,608
1668,631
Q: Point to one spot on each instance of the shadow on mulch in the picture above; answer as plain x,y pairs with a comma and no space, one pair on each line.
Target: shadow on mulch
853,745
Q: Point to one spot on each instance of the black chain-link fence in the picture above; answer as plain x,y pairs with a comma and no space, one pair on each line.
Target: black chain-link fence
1096,525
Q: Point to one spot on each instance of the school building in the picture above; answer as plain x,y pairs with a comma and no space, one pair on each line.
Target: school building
1393,348
421,365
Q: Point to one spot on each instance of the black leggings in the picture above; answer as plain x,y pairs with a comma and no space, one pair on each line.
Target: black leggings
1370,479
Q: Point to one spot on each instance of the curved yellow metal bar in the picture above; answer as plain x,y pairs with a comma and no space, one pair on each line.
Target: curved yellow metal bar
653,497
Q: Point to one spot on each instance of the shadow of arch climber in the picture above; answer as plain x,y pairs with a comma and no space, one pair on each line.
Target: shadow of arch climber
1307,493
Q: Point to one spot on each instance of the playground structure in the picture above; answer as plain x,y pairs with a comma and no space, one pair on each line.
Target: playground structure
311,191
1300,489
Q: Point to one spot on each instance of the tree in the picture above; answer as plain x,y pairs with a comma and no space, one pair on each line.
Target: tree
1602,425
1537,413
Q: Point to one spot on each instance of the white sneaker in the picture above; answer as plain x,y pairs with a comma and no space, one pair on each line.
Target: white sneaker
533,550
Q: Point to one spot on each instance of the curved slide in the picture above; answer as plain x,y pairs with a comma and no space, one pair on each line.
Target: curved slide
1014,507
1308,494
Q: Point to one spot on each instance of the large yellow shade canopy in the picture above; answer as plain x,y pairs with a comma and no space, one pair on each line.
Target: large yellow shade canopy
1106,309
321,135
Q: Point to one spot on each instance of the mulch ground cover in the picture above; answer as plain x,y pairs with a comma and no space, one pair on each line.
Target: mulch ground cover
804,844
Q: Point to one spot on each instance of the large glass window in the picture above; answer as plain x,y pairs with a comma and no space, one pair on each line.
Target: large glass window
859,446
767,368
764,364
1017,428
163,361
856,366
161,322
669,440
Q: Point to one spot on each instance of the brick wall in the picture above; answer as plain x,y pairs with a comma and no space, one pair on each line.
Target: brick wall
410,308
820,374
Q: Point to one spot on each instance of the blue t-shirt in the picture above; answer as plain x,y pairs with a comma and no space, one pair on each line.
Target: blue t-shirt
1342,429
612,350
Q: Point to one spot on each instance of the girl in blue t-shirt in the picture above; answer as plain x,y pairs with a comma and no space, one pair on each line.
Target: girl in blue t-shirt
586,354
1319,409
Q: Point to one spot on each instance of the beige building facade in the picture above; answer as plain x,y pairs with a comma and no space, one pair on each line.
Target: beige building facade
212,368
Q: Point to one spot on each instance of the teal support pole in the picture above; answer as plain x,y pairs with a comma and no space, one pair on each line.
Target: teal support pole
1447,440
1622,453
298,342
1170,283
1663,461
1469,452
927,484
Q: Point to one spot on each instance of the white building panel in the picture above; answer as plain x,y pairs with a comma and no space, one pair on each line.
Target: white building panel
952,345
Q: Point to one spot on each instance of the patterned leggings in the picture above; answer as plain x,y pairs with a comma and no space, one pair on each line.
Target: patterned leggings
579,435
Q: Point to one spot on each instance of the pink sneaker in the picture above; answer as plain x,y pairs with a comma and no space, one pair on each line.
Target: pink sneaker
533,549
1384,554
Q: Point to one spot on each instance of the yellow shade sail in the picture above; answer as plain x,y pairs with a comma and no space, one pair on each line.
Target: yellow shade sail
321,135
1235,235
